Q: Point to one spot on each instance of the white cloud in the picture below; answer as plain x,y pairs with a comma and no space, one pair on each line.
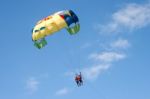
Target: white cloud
32,85
108,57
131,17
63,91
120,43
94,71
104,61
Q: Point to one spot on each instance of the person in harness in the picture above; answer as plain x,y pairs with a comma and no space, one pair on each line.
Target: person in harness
78,79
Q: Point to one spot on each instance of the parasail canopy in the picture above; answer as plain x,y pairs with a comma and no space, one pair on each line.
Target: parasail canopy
54,23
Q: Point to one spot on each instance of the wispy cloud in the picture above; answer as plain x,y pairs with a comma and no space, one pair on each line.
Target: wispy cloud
120,44
32,85
130,17
94,71
107,57
104,61
63,91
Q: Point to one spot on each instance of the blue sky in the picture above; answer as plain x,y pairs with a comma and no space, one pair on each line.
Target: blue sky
111,50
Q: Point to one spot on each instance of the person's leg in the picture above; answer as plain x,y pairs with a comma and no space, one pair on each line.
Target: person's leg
81,82
77,83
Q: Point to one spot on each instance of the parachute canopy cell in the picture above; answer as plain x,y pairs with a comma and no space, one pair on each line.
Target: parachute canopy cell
54,23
